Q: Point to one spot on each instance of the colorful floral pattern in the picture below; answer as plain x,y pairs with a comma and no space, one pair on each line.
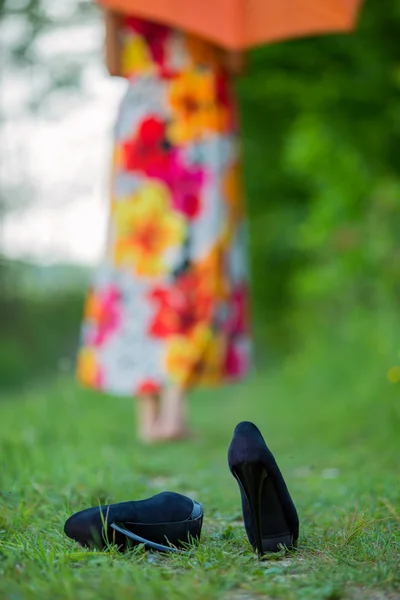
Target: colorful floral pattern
168,305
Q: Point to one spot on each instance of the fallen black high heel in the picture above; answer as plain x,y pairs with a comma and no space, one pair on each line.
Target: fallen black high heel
270,517
165,522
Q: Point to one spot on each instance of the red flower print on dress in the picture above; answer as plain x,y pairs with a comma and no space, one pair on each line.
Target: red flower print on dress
224,95
155,35
181,307
149,152
105,311
236,326
148,387
237,321
236,361
225,98
185,184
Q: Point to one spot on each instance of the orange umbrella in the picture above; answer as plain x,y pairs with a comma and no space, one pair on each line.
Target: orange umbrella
241,24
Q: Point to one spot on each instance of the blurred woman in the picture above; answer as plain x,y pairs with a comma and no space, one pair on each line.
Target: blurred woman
167,309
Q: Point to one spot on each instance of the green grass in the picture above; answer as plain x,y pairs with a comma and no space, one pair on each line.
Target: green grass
330,416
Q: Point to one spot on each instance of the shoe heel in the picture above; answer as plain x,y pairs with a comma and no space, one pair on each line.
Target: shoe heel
250,477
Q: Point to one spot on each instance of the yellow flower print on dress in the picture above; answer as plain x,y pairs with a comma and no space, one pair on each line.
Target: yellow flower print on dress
184,354
195,108
88,371
117,158
213,362
211,273
146,227
92,308
232,192
136,57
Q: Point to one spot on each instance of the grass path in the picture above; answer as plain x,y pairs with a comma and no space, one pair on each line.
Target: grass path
335,436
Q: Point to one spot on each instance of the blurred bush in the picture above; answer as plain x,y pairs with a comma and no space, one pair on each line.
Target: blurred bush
321,122
39,327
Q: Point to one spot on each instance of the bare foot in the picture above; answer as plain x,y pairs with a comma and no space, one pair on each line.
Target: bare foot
164,419
161,434
172,423
147,414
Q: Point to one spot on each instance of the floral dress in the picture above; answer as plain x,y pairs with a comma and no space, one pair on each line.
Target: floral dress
168,304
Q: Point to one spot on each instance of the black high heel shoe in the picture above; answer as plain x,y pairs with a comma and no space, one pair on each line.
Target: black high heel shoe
165,518
270,517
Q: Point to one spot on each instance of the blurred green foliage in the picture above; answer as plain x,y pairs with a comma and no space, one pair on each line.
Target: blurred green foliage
39,336
321,122
321,132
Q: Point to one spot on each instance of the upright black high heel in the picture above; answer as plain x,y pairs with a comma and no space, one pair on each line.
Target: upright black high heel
270,517
165,522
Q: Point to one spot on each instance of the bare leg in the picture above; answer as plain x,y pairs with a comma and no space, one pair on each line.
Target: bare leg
172,423
147,415
165,418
